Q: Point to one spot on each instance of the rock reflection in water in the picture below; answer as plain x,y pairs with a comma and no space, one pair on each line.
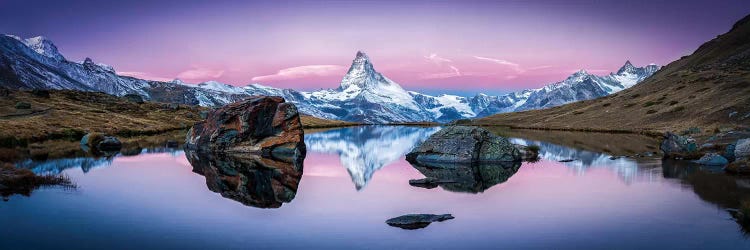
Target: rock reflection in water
249,179
466,177
711,184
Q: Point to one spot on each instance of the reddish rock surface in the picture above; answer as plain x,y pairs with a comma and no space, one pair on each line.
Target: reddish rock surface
263,125
249,179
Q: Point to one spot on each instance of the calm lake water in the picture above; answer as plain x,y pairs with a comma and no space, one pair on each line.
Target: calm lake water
356,178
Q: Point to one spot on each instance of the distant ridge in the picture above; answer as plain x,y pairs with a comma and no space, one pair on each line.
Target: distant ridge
364,94
709,89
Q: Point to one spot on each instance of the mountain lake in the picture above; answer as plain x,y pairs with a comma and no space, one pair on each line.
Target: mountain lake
354,179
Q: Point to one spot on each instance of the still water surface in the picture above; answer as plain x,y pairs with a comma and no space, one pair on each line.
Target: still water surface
356,178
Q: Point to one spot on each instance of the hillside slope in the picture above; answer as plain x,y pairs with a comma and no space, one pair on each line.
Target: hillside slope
709,89
68,114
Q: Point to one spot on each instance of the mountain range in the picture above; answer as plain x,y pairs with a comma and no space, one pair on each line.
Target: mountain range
707,90
364,94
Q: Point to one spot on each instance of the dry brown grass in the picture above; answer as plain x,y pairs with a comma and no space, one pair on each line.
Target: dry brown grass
70,114
22,181
314,122
700,90
610,143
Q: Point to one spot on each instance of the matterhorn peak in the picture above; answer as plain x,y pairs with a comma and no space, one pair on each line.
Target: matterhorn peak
362,74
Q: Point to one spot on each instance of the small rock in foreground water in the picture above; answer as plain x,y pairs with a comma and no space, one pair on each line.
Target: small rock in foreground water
417,221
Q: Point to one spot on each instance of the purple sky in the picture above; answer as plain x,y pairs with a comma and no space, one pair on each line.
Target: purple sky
459,47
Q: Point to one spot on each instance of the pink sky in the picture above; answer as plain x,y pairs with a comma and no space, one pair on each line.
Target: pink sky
466,46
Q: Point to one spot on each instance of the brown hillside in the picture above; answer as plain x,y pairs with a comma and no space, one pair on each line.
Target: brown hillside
68,114
709,89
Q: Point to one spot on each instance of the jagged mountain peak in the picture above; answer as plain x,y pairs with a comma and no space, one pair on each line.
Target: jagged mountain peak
362,75
627,67
43,46
362,54
577,76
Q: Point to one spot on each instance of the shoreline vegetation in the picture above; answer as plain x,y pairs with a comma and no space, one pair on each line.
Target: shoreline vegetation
28,117
22,181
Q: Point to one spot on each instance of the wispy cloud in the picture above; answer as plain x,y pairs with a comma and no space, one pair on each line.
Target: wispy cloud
540,67
144,75
516,67
455,73
303,71
434,58
200,74
455,70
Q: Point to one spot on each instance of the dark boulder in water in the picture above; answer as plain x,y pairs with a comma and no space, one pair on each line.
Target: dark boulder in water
261,125
464,144
712,159
249,179
98,142
679,147
417,221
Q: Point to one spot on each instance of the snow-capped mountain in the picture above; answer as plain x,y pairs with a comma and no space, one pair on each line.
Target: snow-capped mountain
364,94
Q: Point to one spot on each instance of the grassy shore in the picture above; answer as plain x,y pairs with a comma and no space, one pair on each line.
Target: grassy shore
314,122
71,114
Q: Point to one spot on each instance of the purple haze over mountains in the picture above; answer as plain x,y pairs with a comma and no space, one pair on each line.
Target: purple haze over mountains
461,46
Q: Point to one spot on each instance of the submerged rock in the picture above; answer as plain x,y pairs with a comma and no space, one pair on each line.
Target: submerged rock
463,144
417,221
249,179
712,159
429,182
266,126
676,146
467,177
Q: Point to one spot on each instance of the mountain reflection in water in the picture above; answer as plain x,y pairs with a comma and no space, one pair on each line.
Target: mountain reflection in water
86,162
364,150
628,169
177,200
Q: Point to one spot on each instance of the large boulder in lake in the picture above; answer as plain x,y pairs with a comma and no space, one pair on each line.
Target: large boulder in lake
261,125
679,147
464,144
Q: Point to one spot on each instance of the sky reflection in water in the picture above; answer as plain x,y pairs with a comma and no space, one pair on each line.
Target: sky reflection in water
155,200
